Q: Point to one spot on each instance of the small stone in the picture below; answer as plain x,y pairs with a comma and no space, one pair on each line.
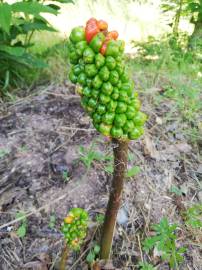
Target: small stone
200,196
122,217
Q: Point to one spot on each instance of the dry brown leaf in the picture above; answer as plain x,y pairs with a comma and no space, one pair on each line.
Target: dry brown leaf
35,265
178,148
105,265
96,266
149,147
41,263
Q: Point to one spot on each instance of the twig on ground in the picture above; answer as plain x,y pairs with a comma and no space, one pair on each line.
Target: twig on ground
140,248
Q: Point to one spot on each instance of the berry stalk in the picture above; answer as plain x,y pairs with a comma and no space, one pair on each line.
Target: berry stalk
64,257
120,149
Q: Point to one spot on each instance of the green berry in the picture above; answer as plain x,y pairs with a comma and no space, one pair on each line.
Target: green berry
108,118
139,119
107,88
86,92
104,73
116,132
114,77
101,109
136,133
82,79
128,126
105,129
121,107
120,120
123,96
110,62
104,99
131,112
111,106
95,93
97,82
72,77
97,118
92,103
115,93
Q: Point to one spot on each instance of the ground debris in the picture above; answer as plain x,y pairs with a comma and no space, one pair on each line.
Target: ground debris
42,174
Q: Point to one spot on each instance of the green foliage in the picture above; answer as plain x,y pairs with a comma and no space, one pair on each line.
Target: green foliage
109,168
92,254
177,191
146,266
87,156
100,218
22,229
194,216
176,72
65,176
3,153
186,99
133,171
163,50
5,19
182,8
165,242
52,221
18,22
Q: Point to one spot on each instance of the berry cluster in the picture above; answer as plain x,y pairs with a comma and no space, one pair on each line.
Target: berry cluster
74,227
107,92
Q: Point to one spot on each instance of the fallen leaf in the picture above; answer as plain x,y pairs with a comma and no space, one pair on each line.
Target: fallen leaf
159,120
41,263
178,148
157,253
199,170
149,147
183,147
96,266
105,265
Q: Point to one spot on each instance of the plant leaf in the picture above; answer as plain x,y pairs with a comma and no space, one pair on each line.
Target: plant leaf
133,171
5,17
21,232
90,257
33,8
96,249
64,1
54,6
109,168
37,25
16,51
176,190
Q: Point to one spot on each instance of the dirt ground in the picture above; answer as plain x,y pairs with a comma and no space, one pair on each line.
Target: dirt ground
41,137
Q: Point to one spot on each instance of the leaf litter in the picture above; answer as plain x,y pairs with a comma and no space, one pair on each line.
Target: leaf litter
40,138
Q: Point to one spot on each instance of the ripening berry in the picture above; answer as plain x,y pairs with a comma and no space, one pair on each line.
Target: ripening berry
107,91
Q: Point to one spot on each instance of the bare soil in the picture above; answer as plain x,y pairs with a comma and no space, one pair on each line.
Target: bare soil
40,139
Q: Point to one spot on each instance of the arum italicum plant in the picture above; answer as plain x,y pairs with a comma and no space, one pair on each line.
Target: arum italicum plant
107,95
74,228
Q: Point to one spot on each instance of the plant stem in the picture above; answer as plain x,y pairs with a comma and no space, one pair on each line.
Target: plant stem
120,149
64,256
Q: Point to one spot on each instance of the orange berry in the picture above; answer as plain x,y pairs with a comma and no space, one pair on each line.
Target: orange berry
68,219
102,25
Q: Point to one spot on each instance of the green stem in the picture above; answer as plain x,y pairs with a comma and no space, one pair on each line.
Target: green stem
28,39
120,149
177,18
64,256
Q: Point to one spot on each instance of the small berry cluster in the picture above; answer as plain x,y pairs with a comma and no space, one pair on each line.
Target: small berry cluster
74,227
